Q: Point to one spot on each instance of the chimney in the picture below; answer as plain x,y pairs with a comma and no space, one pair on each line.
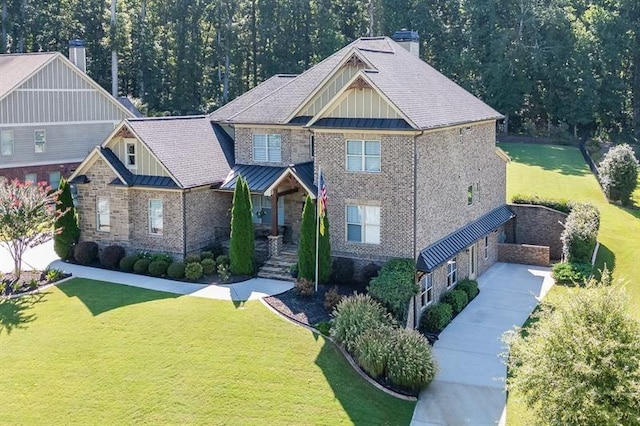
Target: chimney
78,54
410,40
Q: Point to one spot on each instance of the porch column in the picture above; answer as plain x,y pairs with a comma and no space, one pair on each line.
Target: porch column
274,213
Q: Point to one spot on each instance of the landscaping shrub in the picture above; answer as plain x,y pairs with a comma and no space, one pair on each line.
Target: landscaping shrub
324,252
176,270
369,272
208,266
192,258
193,271
242,244
412,364
158,268
570,273
619,173
67,223
373,349
293,270
127,262
215,249
304,287
86,252
470,287
436,317
223,259
580,233
342,271
323,327
52,275
562,205
161,256
142,266
457,299
223,271
207,255
331,299
395,286
355,315
307,245
111,256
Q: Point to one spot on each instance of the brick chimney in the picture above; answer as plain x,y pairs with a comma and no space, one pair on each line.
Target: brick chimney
78,54
410,40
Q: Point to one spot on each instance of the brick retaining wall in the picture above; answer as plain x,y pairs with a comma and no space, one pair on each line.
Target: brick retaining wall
524,253
536,225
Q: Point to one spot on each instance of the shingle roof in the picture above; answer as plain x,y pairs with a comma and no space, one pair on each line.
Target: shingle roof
15,68
195,151
441,251
260,178
425,96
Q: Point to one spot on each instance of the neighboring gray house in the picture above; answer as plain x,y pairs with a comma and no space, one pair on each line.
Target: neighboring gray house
409,159
51,115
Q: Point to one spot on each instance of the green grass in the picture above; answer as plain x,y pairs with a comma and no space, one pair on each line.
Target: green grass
89,352
560,172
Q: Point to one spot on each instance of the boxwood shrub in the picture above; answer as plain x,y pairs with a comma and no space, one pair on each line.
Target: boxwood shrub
457,299
192,258
571,273
127,262
223,259
110,256
394,286
436,317
158,268
176,270
193,271
86,252
208,266
470,287
141,266
356,314
412,364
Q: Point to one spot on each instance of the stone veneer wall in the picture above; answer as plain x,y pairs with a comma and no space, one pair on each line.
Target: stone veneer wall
294,145
536,225
208,214
391,189
524,253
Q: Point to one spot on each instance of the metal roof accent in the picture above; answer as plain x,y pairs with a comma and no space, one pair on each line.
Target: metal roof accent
130,178
301,119
363,123
441,251
117,165
261,178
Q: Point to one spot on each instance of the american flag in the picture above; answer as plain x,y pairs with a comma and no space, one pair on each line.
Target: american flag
322,201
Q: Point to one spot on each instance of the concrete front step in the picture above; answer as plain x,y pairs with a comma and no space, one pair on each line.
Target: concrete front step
275,269
284,277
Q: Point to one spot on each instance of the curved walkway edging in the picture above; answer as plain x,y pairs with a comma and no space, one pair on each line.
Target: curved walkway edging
348,357
37,290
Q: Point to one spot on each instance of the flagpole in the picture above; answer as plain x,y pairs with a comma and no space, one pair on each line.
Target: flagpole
318,222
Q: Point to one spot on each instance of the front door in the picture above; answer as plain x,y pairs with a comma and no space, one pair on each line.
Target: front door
473,262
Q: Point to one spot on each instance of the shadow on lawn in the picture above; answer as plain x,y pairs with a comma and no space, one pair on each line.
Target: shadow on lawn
605,257
15,313
100,297
555,158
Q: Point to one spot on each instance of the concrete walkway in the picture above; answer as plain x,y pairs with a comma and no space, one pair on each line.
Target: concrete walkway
43,257
469,388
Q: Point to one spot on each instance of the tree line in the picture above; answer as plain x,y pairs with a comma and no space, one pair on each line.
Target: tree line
549,65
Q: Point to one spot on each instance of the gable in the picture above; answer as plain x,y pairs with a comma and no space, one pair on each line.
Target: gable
59,93
362,102
333,86
146,162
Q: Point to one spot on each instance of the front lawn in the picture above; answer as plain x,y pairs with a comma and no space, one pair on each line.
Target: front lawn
88,352
560,172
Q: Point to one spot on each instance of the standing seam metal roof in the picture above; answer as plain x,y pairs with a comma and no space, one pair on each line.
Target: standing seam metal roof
260,178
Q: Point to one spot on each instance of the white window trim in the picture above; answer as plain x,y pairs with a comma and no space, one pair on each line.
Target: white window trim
134,165
103,227
7,132
151,232
363,225
363,156
486,247
42,144
452,274
267,137
426,290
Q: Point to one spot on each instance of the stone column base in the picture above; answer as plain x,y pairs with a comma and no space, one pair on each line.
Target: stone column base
275,245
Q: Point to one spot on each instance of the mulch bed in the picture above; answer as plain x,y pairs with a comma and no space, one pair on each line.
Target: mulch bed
28,281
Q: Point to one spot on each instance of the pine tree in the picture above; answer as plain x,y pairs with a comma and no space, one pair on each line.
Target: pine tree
324,253
241,250
307,247
66,224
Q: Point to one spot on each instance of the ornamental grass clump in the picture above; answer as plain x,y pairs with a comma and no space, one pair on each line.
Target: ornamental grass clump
356,314
373,349
411,363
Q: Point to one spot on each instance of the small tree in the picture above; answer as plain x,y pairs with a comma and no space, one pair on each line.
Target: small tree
67,222
619,173
580,363
307,246
27,217
324,253
241,249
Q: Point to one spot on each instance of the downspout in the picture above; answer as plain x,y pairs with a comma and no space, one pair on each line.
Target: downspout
184,224
415,223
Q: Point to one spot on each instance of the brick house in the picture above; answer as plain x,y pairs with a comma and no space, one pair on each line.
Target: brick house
409,160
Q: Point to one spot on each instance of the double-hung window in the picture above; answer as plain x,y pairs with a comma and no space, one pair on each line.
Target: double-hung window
155,217
452,272
103,214
363,224
31,178
267,148
54,180
40,139
6,142
426,295
131,155
363,156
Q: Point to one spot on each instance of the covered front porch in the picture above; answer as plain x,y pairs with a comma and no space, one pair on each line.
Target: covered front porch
277,198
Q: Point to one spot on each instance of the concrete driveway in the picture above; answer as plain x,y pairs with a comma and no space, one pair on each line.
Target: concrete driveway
469,388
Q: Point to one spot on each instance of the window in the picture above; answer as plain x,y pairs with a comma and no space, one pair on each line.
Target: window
103,222
6,142
31,177
470,195
54,179
486,247
426,285
155,217
262,209
363,156
267,148
452,272
40,139
312,146
363,224
131,155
